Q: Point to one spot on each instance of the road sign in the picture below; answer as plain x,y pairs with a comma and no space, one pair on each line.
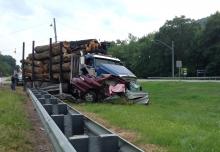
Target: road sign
178,64
184,71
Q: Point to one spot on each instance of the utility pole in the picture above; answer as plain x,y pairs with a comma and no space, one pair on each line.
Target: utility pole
173,59
55,30
23,72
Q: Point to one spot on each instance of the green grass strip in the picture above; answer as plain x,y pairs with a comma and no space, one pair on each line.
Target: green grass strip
14,124
182,117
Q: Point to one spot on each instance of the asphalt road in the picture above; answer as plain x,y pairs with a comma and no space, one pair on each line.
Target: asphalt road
140,80
4,80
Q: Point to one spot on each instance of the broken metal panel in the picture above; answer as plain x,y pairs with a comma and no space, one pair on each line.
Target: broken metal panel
137,97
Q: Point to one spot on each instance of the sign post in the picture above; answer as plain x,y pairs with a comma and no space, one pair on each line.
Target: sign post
179,65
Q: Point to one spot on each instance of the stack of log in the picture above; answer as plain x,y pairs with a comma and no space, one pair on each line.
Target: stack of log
42,58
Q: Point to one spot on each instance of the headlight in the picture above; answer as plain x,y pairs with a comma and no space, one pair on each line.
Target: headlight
134,86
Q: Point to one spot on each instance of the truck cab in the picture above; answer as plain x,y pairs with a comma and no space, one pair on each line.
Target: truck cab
98,65
108,65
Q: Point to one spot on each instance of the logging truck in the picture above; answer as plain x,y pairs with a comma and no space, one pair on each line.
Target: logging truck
83,69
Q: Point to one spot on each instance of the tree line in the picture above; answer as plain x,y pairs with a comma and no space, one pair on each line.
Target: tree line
196,44
7,65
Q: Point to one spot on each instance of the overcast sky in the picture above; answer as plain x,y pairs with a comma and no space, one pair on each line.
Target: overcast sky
27,20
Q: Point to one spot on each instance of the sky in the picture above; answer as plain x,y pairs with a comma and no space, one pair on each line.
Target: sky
105,20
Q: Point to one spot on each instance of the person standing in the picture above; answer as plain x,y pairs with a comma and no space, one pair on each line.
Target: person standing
16,78
13,81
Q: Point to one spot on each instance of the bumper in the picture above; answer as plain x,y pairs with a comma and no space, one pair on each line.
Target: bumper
138,97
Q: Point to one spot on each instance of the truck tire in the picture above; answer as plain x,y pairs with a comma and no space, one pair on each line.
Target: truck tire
90,96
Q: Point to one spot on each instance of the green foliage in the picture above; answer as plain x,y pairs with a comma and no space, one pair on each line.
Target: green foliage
196,45
210,44
184,32
182,116
131,53
7,64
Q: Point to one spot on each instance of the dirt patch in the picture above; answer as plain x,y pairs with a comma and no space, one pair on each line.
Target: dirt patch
37,135
128,135
152,148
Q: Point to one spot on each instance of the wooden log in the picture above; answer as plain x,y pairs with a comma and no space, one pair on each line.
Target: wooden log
80,43
46,61
66,76
41,56
46,76
92,45
66,58
65,66
28,68
86,45
46,68
56,67
43,48
56,59
45,55
37,76
46,48
36,63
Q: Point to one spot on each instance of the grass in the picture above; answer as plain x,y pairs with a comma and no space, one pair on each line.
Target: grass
14,124
182,117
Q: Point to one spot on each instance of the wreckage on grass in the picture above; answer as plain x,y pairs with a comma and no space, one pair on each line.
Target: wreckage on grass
105,77
105,87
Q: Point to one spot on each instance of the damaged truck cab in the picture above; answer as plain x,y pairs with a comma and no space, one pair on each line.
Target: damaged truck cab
106,77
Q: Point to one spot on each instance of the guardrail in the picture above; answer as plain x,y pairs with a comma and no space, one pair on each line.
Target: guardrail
71,131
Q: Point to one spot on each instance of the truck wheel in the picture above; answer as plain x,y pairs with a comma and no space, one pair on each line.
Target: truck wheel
90,96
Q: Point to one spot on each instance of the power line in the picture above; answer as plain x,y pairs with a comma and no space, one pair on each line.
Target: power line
25,29
71,28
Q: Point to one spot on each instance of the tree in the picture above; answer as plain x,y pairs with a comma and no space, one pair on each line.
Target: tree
196,45
133,53
7,64
184,32
210,45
